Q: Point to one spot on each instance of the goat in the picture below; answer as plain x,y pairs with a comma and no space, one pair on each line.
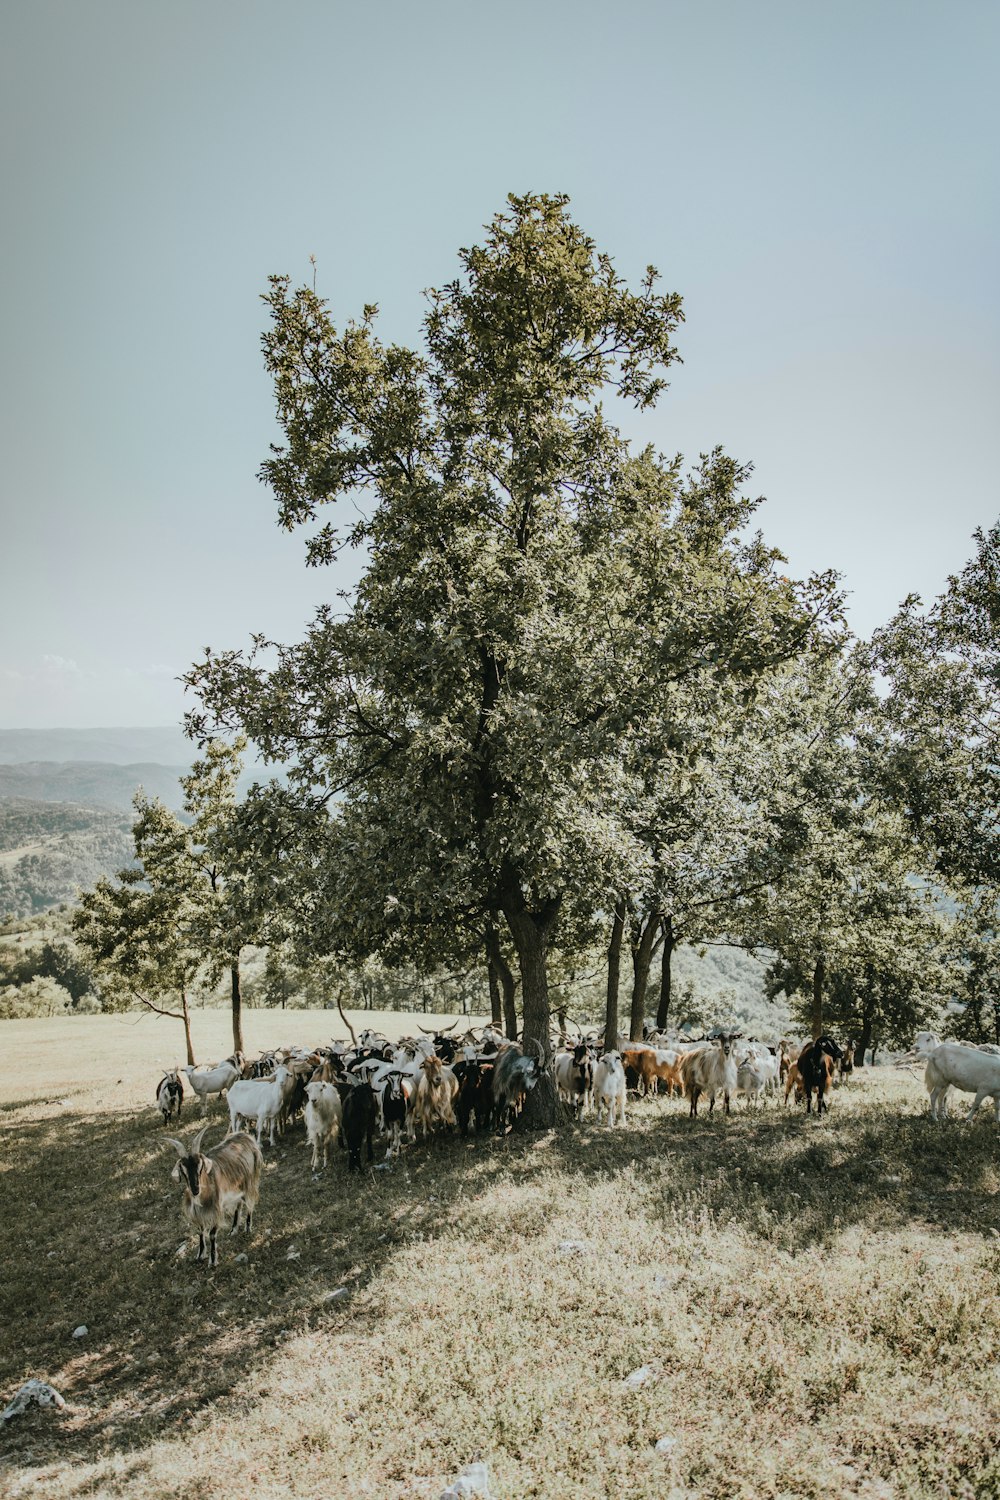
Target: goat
445,1045
575,1078
206,1081
513,1075
710,1070
436,1089
216,1183
846,1067
395,1108
169,1095
359,1118
475,1093
323,1115
259,1099
815,1065
609,1088
793,1080
927,1041
752,1078
966,1068
656,1065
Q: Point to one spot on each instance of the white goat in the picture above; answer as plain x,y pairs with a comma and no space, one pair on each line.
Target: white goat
752,1077
609,1088
953,1066
763,1064
435,1095
926,1041
259,1099
711,1071
323,1113
205,1081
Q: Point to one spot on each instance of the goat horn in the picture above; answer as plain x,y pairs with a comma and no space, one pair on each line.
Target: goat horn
196,1143
179,1147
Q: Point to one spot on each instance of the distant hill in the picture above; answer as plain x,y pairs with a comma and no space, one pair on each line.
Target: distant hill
66,805
167,746
91,783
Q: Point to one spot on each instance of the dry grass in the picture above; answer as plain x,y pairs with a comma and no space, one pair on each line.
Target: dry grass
819,1300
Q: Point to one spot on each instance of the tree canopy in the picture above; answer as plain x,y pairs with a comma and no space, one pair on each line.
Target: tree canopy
545,612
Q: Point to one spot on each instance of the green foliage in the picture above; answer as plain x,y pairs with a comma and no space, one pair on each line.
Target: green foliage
858,938
38,996
940,723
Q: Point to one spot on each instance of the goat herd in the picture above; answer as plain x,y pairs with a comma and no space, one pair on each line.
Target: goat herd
445,1081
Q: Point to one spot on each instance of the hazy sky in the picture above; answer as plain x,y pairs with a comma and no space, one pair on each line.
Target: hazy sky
818,181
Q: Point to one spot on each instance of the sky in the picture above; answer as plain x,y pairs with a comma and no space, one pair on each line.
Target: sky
817,181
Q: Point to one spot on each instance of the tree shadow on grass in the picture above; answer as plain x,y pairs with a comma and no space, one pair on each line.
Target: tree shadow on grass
91,1229
91,1234
797,1180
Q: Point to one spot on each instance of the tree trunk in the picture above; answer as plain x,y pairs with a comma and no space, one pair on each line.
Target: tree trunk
819,974
237,995
614,977
642,954
865,1041
508,983
187,1029
666,976
530,934
496,1014
530,940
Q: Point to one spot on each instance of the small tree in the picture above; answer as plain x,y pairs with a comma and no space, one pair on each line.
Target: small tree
141,930
228,855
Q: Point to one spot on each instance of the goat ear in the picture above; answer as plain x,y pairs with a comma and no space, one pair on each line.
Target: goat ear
175,1174
208,1164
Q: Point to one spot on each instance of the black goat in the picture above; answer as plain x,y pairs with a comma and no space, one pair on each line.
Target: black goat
394,1109
815,1064
360,1117
475,1093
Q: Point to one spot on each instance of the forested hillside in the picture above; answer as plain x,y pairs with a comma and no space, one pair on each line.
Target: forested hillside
49,850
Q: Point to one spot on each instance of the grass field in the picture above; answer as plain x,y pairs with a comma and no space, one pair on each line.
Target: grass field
817,1300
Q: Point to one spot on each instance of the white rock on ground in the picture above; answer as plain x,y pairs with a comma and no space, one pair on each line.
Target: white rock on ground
473,1480
32,1390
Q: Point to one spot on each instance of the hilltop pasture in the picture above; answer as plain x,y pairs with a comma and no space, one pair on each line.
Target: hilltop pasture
817,1300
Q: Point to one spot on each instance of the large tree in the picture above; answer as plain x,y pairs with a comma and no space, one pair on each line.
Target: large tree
537,595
